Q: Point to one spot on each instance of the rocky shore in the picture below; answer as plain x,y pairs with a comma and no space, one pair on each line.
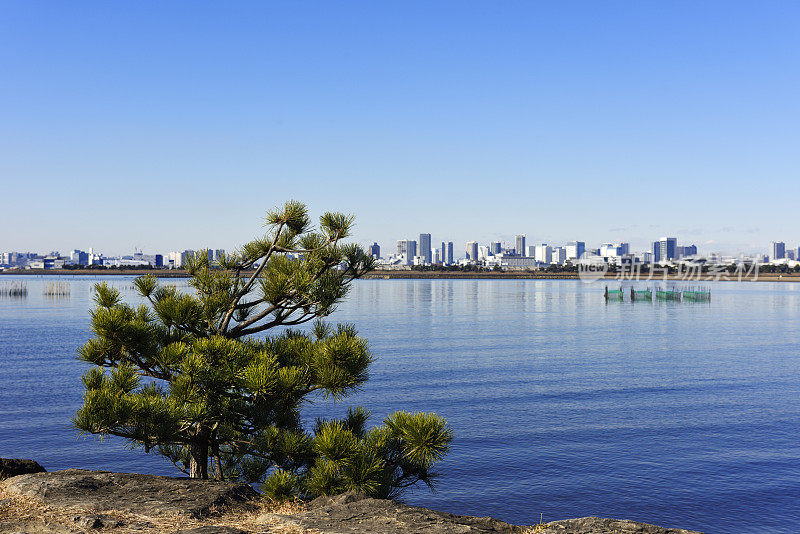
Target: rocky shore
79,501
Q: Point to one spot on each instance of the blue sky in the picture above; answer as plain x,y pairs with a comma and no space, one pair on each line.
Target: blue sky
172,125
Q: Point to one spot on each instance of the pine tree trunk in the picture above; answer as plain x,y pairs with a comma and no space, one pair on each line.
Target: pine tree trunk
216,461
198,459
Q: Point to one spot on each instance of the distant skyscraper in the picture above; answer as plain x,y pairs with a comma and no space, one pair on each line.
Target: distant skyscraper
77,257
496,248
412,251
449,256
656,251
443,253
531,252
436,257
778,250
472,250
544,253
668,248
375,250
520,245
425,247
408,248
575,250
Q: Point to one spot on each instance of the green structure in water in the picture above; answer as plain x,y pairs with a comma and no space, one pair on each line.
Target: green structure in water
641,294
613,294
668,294
697,295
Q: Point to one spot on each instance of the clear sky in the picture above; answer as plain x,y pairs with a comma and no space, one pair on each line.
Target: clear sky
173,125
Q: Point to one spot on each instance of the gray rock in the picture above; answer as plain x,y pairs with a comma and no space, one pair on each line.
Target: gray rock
11,467
353,513
350,512
145,495
599,525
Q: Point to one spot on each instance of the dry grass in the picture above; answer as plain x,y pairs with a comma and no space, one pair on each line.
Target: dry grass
24,509
538,527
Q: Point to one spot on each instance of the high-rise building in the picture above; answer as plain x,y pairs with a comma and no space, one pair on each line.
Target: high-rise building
411,250
436,256
520,245
544,253
778,250
472,250
408,248
687,250
575,250
531,252
425,247
449,256
79,257
668,248
559,255
656,251
375,251
443,253
496,248
608,250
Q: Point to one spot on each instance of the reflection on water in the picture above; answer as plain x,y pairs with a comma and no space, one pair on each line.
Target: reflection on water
677,413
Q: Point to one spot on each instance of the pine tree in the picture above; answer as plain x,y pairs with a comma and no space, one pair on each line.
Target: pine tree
215,380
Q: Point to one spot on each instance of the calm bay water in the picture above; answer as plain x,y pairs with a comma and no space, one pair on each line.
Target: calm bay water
677,414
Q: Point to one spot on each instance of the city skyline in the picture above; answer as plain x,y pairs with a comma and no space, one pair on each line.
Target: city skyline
664,249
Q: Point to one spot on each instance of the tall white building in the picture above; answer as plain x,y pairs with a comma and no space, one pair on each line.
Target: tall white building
544,254
559,255
575,250
472,250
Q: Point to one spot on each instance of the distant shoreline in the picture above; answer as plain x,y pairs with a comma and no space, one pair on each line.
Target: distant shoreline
525,275
415,275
